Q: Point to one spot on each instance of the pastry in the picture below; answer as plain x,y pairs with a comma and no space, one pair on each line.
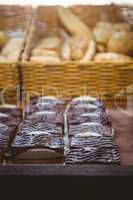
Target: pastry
79,31
121,42
40,135
50,43
122,27
109,56
89,52
102,32
12,49
72,23
90,133
44,52
45,59
66,50
3,39
92,150
11,110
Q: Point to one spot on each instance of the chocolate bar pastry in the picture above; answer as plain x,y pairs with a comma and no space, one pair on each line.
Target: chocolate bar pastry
91,110
90,133
38,125
87,100
52,117
37,146
45,103
9,120
5,137
45,99
100,117
90,129
38,142
92,150
11,110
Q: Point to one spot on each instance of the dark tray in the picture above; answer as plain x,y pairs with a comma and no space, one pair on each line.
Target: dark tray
69,170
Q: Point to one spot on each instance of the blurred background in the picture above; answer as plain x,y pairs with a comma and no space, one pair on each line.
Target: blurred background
64,2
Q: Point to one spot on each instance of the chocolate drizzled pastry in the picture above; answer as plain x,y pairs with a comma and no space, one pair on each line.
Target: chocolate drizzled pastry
45,104
86,150
9,120
48,145
52,117
38,125
87,109
11,110
90,133
40,135
10,117
90,129
46,109
5,133
87,100
101,117
51,100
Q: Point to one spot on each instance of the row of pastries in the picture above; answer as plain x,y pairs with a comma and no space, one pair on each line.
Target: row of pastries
53,130
75,40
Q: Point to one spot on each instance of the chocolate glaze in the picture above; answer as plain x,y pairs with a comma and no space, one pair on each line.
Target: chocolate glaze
90,129
90,133
5,133
41,131
48,117
10,121
92,150
37,125
12,111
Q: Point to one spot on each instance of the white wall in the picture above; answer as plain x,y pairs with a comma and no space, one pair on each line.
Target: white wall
64,2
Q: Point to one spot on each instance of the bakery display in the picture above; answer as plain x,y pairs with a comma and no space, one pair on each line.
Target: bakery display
40,135
90,137
54,130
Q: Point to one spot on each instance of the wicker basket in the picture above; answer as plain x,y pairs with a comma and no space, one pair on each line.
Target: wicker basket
70,79
12,20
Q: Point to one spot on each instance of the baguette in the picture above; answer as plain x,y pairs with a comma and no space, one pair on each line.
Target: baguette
79,31
79,47
66,50
72,23
90,51
12,48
